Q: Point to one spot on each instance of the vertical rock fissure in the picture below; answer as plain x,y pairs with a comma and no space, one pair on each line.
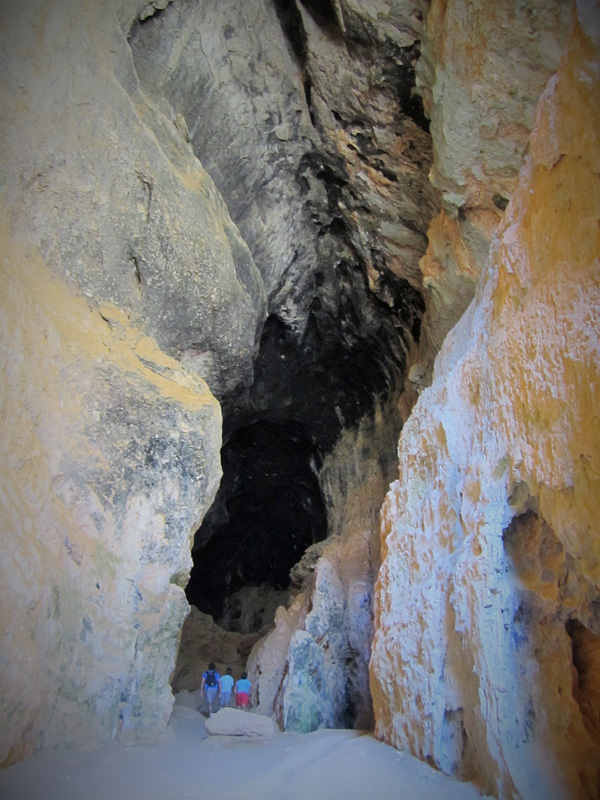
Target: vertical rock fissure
305,117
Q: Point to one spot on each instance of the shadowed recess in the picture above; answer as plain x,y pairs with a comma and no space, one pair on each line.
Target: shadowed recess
268,510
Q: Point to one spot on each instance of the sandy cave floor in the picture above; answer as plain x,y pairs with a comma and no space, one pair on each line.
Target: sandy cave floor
325,765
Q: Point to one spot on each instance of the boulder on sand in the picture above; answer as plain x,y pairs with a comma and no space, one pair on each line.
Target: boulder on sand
231,722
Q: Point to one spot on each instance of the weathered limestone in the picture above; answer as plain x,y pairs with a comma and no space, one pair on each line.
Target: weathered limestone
107,186
110,459
227,70
485,658
311,672
481,72
232,722
374,135
117,256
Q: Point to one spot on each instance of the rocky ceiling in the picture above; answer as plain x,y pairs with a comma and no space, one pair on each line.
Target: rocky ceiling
308,123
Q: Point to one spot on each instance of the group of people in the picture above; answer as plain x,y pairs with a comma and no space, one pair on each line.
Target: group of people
213,685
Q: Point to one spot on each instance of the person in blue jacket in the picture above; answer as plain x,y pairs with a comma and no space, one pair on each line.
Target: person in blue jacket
211,686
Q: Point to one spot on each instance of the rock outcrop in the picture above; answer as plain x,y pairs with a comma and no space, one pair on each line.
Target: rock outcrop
311,671
118,258
480,73
487,644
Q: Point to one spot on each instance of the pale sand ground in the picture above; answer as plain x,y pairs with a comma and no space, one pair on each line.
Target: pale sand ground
325,765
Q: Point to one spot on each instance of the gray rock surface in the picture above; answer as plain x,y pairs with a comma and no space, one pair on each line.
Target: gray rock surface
293,123
108,188
118,255
232,722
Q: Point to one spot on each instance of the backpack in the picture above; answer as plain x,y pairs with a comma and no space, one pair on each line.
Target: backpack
211,678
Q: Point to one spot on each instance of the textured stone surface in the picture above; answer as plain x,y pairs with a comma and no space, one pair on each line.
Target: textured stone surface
117,255
488,637
232,722
374,136
107,186
480,73
312,671
110,459
259,85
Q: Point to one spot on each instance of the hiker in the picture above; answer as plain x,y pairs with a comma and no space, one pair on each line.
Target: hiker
226,687
211,684
242,692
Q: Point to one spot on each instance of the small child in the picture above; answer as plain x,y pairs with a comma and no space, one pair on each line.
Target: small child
226,687
242,692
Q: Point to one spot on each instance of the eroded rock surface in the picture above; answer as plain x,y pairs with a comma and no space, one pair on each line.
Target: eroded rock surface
480,74
311,671
487,632
110,459
118,256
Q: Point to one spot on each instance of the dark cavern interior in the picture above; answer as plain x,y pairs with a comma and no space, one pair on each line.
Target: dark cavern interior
300,317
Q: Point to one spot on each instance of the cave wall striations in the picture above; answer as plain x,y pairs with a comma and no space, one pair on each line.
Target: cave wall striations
117,251
306,121
487,643
480,74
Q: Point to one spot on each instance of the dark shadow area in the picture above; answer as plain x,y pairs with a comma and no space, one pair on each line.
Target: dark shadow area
267,512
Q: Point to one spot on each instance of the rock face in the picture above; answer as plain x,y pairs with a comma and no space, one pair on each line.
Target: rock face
480,73
117,255
109,189
110,459
487,644
311,672
232,722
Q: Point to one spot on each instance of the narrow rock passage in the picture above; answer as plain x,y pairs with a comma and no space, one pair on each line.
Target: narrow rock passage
326,764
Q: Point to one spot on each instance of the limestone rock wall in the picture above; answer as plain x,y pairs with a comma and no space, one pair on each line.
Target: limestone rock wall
480,73
105,183
311,671
110,459
485,657
117,257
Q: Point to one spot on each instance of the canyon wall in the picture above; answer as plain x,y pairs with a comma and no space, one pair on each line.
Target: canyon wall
480,73
118,257
242,215
481,102
312,670
487,644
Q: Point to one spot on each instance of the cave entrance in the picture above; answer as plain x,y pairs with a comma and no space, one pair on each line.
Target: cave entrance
268,511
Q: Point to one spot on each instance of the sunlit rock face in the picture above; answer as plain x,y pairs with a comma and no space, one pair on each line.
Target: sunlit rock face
481,72
118,256
487,644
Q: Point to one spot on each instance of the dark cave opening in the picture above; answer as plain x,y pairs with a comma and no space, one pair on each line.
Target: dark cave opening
268,511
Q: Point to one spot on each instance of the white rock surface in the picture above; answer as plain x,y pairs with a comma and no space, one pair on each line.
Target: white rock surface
233,722
487,646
